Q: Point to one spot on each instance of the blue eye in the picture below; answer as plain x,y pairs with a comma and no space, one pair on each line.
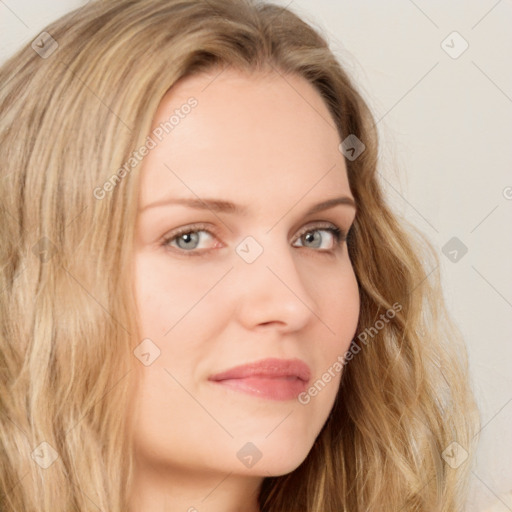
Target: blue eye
314,241
188,240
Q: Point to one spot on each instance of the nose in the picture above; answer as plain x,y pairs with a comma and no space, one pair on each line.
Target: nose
272,291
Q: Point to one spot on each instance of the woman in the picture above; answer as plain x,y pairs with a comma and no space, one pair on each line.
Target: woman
207,303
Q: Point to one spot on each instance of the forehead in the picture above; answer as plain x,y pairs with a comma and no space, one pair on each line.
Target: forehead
246,134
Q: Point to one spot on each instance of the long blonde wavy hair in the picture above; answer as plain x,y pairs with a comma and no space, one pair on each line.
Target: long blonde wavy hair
67,329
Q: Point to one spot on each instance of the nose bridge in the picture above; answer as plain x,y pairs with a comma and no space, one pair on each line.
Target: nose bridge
272,287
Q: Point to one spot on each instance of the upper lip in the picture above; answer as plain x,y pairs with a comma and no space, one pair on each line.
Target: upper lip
271,368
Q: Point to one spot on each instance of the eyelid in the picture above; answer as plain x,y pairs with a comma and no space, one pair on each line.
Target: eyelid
199,226
340,233
314,225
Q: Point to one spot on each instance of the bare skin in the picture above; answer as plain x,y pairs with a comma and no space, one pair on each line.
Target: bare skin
272,148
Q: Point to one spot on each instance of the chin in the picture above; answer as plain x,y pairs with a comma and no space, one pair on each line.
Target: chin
278,467
278,457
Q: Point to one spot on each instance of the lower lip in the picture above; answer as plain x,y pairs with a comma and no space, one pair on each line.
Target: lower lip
284,388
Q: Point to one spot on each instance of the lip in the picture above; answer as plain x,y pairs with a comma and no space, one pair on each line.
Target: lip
272,378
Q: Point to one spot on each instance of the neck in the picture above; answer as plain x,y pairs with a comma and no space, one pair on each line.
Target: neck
187,491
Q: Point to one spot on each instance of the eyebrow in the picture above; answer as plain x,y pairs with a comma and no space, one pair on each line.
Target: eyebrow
222,206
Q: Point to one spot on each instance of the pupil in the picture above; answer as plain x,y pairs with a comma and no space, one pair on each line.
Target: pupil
310,237
187,238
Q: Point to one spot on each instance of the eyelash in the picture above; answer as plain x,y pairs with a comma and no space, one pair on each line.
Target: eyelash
340,236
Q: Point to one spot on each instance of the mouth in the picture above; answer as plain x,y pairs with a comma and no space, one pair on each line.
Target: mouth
272,379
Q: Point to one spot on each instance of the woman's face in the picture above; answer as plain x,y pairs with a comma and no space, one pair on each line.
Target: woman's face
241,284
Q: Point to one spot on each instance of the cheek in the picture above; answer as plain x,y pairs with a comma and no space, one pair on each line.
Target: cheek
154,295
349,305
165,293
340,302
340,307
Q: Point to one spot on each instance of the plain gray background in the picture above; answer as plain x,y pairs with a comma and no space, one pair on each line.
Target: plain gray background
445,121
